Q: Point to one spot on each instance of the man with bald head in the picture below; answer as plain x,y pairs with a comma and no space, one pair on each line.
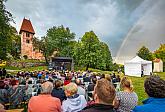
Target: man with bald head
45,102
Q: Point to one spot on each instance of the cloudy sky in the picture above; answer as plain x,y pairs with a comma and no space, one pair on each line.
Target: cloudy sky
125,25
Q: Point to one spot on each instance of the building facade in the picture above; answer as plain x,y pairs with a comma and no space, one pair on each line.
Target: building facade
27,34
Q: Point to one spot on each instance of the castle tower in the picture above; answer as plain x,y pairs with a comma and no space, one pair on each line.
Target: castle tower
27,33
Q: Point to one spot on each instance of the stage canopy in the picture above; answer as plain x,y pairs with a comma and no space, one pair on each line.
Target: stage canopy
137,67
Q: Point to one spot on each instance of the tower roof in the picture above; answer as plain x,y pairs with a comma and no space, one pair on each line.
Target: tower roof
27,26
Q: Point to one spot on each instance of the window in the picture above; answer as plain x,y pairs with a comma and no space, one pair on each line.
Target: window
28,41
27,35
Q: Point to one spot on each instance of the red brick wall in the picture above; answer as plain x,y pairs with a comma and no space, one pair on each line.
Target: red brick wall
27,48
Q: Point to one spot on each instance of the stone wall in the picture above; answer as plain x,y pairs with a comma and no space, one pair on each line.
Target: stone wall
25,64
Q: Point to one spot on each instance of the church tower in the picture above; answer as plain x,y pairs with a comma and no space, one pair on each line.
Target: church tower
27,33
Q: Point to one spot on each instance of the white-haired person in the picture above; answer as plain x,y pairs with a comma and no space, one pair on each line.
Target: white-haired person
127,99
44,102
74,102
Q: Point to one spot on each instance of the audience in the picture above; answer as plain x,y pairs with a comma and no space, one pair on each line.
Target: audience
65,96
44,102
104,94
74,102
155,89
58,91
127,99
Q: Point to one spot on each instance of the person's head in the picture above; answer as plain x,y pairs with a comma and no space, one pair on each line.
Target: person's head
126,83
14,82
47,87
104,92
155,87
2,84
78,82
71,89
30,82
58,84
94,80
108,77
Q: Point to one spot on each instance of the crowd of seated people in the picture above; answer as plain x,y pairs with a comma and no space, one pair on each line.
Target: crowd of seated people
53,91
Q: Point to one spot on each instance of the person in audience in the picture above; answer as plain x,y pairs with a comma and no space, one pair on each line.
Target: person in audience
92,85
2,108
155,89
44,102
81,90
104,94
74,102
16,93
67,80
118,78
30,89
3,93
127,99
58,91
108,77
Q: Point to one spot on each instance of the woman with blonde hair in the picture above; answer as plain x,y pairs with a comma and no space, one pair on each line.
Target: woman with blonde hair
127,99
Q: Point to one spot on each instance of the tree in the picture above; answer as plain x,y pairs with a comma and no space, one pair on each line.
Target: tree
145,54
89,46
160,52
58,39
90,52
5,18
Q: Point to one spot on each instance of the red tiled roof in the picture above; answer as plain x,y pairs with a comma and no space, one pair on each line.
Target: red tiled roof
27,26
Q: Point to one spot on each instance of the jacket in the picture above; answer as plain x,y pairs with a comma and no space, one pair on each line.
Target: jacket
58,93
98,108
74,104
151,105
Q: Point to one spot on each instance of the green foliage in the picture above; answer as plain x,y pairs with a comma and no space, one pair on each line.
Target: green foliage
90,52
145,54
9,40
58,39
160,52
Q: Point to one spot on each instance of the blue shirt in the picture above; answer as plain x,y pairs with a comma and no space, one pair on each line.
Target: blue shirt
151,105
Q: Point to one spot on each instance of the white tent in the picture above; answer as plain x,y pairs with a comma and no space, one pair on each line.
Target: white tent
137,66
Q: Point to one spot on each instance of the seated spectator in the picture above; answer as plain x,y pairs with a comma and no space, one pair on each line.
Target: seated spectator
30,89
104,94
155,89
118,78
67,80
2,108
16,93
108,77
74,102
102,76
58,91
86,78
44,102
81,90
3,93
127,99
91,86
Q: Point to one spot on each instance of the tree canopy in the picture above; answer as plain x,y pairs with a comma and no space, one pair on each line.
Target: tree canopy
145,54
